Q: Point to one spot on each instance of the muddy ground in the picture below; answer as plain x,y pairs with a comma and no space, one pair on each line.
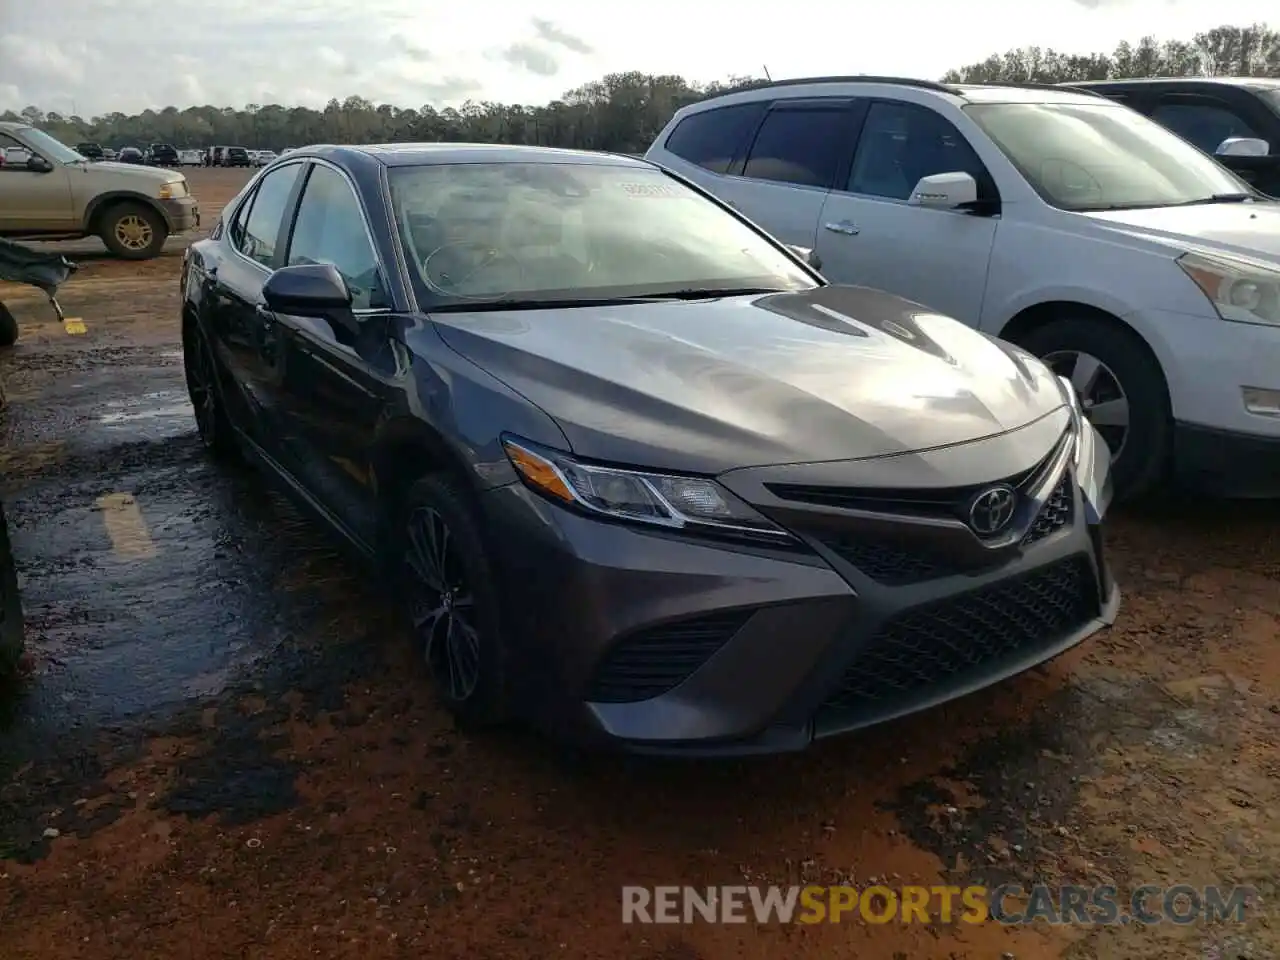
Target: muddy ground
227,749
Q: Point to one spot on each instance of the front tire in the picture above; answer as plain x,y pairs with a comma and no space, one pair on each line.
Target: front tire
134,231
453,601
1121,389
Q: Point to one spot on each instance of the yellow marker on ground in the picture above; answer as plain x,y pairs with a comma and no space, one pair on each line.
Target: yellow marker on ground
126,527
73,325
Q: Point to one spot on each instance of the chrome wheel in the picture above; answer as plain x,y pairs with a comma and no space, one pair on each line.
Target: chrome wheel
443,606
1102,398
133,233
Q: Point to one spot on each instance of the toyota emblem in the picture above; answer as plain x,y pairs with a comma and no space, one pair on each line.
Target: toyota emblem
992,510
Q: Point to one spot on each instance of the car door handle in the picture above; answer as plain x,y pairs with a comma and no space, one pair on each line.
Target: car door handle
842,226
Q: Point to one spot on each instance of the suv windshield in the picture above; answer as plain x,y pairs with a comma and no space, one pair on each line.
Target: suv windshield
1102,156
49,148
536,232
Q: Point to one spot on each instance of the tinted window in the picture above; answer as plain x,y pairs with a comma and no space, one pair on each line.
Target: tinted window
901,143
256,234
799,146
714,138
1204,124
330,229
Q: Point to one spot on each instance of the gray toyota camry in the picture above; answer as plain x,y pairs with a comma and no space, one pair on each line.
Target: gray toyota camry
637,473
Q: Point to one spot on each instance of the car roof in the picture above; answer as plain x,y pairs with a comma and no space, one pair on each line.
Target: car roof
958,93
422,154
14,125
1270,82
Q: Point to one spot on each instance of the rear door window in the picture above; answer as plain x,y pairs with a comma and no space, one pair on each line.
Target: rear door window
713,139
802,146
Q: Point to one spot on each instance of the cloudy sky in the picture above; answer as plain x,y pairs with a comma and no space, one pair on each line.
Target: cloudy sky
96,56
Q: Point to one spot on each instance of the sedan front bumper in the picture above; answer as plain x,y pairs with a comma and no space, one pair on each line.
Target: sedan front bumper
666,644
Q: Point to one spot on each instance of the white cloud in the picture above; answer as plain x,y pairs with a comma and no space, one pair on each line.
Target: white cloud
96,56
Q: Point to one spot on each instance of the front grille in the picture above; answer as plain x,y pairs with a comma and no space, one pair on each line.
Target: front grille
650,662
1056,513
887,563
929,645
936,502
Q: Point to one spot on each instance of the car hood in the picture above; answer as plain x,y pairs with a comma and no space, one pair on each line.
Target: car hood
1245,229
130,172
833,373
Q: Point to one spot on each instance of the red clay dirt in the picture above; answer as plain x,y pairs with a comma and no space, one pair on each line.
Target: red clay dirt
338,814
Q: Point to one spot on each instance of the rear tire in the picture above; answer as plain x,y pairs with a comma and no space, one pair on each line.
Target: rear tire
133,231
453,600
8,327
212,422
1072,345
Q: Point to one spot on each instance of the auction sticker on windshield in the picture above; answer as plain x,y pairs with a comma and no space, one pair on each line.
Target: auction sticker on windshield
646,190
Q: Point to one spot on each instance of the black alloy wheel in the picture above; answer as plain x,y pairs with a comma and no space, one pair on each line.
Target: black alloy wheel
211,420
452,601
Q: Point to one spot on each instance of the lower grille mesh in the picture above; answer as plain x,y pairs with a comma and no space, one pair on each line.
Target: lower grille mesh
649,663
1057,512
929,645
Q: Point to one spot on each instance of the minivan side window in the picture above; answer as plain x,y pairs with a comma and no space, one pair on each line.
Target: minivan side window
801,146
254,233
713,138
1204,123
903,142
331,229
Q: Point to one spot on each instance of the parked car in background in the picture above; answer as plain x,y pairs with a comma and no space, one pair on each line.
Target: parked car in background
263,157
56,194
191,158
674,422
236,157
1237,119
131,155
163,155
109,154
1135,265
90,150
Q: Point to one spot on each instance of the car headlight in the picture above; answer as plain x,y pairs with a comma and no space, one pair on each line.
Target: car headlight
1241,291
1078,420
674,502
173,189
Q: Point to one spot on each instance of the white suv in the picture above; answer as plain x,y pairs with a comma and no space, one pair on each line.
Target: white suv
1135,265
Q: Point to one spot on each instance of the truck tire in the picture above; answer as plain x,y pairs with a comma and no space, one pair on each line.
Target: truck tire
133,231
8,327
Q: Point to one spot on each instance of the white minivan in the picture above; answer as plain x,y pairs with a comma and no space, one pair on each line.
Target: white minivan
1131,262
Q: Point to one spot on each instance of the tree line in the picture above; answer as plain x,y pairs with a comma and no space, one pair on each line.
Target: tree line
621,112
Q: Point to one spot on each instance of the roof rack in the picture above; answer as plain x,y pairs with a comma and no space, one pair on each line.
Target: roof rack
1029,85
860,78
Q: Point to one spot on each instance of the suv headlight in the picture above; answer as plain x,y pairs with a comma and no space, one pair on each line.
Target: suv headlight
1239,290
173,189
662,500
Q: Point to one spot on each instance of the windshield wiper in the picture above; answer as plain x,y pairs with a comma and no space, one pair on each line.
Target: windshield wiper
1217,198
565,303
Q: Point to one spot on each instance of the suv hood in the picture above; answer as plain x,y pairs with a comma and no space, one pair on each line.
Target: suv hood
833,373
1245,229
128,171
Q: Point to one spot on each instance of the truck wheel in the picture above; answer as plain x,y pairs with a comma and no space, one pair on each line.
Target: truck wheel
133,231
8,327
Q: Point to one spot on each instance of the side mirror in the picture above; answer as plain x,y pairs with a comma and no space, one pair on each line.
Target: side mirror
311,290
38,164
945,191
1243,147
807,254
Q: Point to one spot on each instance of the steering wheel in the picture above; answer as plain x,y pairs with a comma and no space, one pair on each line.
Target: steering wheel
474,259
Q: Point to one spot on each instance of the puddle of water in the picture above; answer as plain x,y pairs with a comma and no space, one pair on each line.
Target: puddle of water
156,413
156,405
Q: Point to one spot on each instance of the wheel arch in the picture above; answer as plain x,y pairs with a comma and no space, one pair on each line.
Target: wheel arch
103,202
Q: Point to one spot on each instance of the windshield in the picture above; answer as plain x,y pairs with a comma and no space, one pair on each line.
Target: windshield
492,232
49,148
1102,156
